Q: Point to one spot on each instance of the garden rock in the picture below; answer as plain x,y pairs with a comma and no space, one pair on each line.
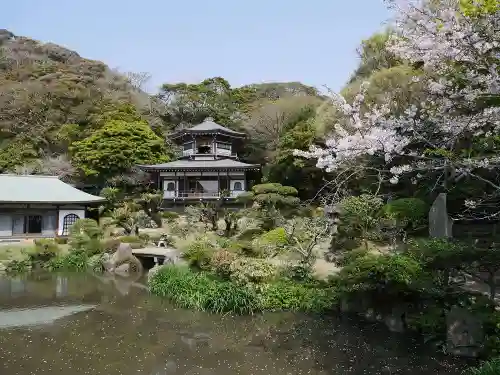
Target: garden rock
123,268
395,321
465,334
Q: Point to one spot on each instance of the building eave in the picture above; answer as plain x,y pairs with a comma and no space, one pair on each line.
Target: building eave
188,132
200,169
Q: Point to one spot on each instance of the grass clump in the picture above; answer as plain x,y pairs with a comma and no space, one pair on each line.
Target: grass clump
487,368
207,292
200,291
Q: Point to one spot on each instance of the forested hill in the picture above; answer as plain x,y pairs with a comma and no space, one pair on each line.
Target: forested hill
56,107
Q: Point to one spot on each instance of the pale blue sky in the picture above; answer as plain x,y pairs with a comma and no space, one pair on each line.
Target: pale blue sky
257,41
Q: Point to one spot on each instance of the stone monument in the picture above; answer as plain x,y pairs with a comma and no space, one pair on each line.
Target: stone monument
440,224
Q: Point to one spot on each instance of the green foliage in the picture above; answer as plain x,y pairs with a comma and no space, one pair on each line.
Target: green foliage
127,217
85,237
151,202
275,237
360,216
374,55
476,8
429,321
17,266
491,367
351,255
274,188
292,296
386,277
43,251
199,291
271,243
113,200
408,212
437,253
199,253
249,270
95,264
220,263
73,261
192,103
116,148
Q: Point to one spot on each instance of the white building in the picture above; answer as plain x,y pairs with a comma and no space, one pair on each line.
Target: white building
40,206
208,168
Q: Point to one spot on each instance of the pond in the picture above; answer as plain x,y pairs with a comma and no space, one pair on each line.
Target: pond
84,324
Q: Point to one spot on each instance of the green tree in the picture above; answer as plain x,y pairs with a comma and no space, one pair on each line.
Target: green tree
192,103
272,199
285,168
116,148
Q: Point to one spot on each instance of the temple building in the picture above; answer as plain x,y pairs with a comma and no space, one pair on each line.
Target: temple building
208,168
41,206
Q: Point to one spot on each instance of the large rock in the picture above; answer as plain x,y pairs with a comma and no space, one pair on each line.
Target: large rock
395,321
121,257
123,268
465,334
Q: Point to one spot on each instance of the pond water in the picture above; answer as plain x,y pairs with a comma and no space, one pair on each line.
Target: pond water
82,324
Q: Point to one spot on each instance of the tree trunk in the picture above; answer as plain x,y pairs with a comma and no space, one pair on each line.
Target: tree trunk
156,217
492,285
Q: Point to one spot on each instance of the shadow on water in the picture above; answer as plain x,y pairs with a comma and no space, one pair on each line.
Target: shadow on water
81,324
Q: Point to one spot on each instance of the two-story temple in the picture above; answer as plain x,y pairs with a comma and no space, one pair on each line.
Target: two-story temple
208,168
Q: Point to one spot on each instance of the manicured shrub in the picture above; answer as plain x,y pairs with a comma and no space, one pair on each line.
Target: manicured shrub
44,250
199,253
386,277
270,243
248,270
295,296
199,291
85,237
220,263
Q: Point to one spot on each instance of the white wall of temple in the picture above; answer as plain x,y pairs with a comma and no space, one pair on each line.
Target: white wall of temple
237,187
66,218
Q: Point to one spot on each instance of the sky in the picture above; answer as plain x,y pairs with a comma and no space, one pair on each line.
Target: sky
255,41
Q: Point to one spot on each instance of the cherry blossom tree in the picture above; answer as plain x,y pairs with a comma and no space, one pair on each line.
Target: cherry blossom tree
449,136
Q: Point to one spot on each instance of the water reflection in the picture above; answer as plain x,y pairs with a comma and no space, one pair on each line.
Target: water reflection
112,326
38,316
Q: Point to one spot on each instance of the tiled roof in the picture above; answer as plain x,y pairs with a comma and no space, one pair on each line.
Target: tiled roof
201,164
208,126
40,189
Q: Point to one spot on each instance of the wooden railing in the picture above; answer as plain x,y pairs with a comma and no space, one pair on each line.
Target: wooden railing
199,194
